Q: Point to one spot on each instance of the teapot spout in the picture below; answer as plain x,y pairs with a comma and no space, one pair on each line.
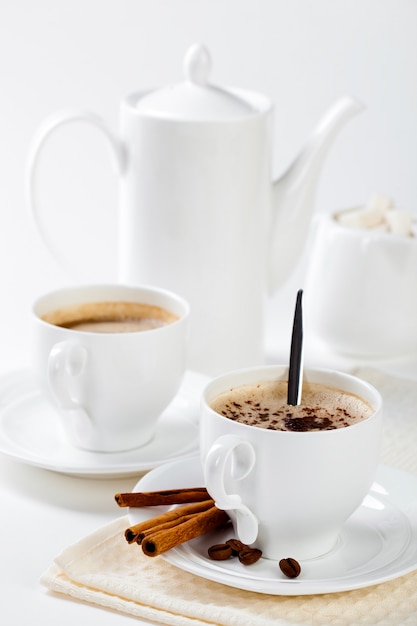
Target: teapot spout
293,194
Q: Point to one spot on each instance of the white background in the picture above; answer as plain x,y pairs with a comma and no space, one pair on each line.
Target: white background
54,54
303,54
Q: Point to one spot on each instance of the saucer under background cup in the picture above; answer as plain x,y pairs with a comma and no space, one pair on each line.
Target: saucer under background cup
31,432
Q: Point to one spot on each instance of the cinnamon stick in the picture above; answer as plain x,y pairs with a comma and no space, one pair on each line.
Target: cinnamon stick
162,540
166,525
167,496
131,533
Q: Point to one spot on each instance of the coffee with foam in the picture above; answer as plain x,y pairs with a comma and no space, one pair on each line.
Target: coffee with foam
110,317
265,405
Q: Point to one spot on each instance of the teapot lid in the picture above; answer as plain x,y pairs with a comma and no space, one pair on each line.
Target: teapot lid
195,98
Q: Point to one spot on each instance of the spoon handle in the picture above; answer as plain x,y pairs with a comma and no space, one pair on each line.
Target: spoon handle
295,374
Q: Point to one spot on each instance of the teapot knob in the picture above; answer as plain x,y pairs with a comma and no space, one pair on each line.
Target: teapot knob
197,64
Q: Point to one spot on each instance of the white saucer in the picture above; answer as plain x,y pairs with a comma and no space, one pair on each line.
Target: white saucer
378,543
30,432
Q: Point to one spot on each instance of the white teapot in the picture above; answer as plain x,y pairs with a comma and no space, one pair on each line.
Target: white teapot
198,212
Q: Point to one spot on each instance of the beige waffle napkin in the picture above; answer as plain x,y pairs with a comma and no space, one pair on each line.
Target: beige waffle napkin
103,569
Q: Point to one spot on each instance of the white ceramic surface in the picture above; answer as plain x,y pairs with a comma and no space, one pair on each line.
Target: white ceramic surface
377,543
198,211
109,388
289,492
361,291
31,434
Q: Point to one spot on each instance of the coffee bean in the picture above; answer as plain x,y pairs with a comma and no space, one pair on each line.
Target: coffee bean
236,546
248,556
290,567
220,552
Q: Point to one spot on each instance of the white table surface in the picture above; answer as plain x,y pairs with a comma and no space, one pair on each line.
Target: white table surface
42,512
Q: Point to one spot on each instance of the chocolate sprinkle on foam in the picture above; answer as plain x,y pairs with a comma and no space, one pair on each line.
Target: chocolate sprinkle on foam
302,424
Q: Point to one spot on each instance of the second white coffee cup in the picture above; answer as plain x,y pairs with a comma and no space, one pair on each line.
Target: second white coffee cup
109,388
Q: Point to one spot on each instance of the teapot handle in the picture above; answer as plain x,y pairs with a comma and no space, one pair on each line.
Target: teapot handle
60,118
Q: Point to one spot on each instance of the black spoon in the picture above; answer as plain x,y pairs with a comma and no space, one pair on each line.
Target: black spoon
295,375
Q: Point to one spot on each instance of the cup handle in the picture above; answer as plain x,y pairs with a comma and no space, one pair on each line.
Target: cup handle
67,360
239,454
44,131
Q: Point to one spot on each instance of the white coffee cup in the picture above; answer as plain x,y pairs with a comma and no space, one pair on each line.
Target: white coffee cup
361,290
109,388
289,493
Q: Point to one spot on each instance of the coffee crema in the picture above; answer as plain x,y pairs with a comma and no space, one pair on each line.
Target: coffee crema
265,405
110,317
